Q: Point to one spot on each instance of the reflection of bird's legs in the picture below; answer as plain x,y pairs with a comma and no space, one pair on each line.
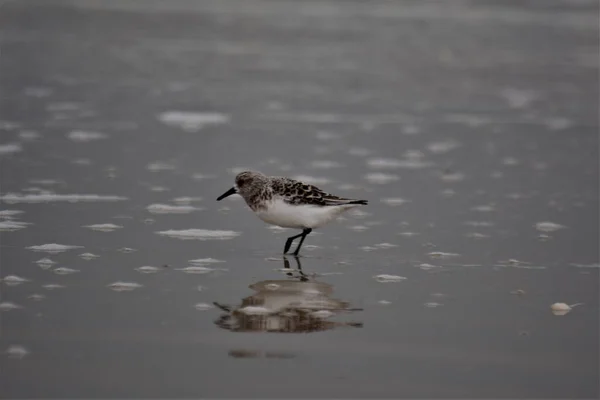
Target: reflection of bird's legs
286,265
303,277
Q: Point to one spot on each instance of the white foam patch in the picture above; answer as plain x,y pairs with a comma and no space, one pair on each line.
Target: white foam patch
16,351
13,280
103,227
205,261
196,269
89,256
199,234
9,306
29,135
159,166
359,152
381,178
470,120
385,245
170,209
595,265
85,136
441,254
518,98
385,278
452,177
558,123
200,176
192,121
53,286
10,148
10,213
203,306
313,180
82,161
64,271
391,163
548,226
325,135
53,248
395,201
484,208
486,224
147,269
121,286
477,235
45,262
443,146
9,226
13,198
325,164
510,161
186,200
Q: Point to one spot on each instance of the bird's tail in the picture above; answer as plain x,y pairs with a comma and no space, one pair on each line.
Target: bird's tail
362,202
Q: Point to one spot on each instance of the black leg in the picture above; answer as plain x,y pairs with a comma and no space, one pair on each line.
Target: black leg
288,242
305,233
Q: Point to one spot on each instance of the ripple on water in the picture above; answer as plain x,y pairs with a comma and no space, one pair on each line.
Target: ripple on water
395,201
121,286
159,166
16,351
313,180
103,227
13,280
10,226
195,269
199,234
8,214
9,306
392,163
385,278
171,209
442,147
10,148
64,271
192,121
45,263
548,226
85,136
381,178
53,248
147,269
205,261
441,254
13,198
89,256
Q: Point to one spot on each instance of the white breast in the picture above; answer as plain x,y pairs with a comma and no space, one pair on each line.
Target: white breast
287,215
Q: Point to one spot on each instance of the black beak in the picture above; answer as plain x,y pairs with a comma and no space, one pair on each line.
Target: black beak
227,194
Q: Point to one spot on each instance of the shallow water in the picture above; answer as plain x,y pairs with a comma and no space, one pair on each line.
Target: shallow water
471,128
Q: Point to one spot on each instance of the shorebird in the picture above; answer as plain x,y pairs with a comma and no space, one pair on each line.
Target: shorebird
289,203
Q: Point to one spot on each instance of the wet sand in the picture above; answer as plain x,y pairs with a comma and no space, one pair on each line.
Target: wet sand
471,127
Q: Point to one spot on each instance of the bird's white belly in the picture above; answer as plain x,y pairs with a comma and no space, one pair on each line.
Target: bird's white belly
287,215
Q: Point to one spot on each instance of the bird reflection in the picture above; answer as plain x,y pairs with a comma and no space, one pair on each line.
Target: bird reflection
296,305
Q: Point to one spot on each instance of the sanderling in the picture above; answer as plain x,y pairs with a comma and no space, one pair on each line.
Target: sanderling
289,203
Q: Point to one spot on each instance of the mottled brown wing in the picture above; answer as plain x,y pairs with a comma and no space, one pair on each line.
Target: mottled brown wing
295,192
